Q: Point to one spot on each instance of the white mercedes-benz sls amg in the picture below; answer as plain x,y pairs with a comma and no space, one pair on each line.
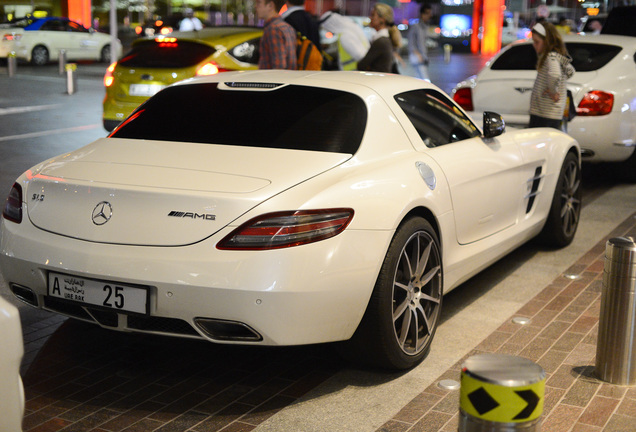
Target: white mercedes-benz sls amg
285,208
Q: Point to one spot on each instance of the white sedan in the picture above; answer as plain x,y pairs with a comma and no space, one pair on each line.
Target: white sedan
603,89
11,388
284,208
40,40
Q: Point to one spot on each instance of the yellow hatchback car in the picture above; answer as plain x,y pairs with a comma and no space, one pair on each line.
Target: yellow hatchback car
153,64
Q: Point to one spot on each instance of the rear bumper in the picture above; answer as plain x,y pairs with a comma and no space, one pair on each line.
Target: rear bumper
602,139
301,295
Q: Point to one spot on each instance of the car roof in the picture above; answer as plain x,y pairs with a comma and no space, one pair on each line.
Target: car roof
625,41
382,83
38,22
214,34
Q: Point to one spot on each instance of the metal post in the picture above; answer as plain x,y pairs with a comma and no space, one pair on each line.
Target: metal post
501,393
616,344
12,64
71,78
62,61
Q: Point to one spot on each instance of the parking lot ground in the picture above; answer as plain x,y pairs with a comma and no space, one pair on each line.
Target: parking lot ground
84,378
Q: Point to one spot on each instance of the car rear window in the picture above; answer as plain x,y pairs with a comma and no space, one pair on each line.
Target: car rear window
166,54
586,57
287,117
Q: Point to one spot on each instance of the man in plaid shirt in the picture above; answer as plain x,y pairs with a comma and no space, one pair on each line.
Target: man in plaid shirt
278,44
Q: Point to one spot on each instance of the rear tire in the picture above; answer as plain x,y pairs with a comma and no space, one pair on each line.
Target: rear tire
39,55
105,55
399,324
627,169
565,211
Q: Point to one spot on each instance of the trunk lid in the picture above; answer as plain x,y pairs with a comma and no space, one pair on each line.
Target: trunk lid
157,193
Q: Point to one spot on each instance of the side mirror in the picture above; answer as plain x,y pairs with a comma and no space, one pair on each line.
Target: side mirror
494,124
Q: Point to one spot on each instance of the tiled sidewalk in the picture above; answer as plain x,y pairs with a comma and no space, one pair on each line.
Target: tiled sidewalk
561,337
79,377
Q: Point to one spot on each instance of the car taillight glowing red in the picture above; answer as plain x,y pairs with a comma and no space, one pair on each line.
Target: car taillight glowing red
108,77
12,37
13,206
287,229
464,97
208,69
595,103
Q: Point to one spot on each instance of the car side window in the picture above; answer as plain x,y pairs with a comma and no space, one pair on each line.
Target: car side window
75,27
436,118
53,25
247,52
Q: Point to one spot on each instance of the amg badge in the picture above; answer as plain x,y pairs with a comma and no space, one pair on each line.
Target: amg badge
192,215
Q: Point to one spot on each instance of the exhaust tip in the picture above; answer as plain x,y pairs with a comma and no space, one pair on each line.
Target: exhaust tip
587,153
227,331
25,294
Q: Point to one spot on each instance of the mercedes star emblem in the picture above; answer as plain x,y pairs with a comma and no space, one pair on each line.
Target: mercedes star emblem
102,213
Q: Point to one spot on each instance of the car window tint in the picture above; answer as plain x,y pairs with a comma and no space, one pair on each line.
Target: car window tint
290,117
247,51
75,27
53,25
437,120
156,54
586,57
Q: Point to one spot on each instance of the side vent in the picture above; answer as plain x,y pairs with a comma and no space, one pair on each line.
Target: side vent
534,188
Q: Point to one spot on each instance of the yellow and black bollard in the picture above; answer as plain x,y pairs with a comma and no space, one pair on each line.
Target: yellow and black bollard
501,393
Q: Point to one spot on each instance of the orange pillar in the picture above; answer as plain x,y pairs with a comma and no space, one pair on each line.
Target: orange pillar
80,11
474,37
493,22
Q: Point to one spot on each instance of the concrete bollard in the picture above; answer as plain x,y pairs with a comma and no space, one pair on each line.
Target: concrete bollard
62,61
71,78
12,64
447,53
616,344
501,393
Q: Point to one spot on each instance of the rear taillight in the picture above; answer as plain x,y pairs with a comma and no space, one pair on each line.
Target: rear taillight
12,36
109,77
13,206
210,68
287,229
464,97
595,103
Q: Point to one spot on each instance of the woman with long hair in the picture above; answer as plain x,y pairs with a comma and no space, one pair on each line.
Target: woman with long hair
380,58
554,67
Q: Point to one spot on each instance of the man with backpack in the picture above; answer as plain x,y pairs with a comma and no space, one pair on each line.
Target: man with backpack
307,27
278,43
302,21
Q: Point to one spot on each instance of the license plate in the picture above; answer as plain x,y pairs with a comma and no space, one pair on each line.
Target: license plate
112,295
144,89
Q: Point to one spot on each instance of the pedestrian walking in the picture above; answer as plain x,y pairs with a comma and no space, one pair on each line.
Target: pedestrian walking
418,51
278,43
554,67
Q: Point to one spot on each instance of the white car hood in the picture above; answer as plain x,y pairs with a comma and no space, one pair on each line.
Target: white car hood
161,193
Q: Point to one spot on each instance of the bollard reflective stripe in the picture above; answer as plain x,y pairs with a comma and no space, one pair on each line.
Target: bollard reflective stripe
501,393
